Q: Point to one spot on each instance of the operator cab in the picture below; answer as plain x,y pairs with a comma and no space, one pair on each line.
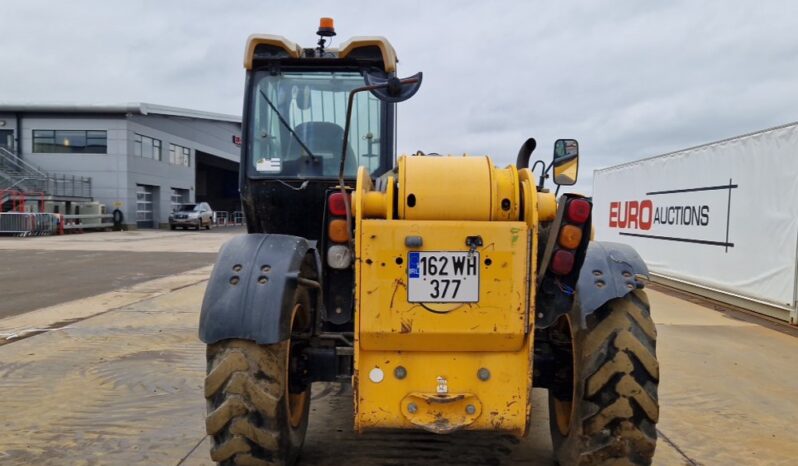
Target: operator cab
298,120
293,127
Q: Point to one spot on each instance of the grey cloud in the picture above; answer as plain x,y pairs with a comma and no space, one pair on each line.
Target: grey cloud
629,79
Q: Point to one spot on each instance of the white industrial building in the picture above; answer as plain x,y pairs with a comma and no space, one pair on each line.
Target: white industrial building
142,159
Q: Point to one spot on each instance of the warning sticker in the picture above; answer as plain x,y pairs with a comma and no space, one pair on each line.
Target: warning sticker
273,165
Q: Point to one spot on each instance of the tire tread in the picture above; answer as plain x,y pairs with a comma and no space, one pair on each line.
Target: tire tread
244,394
617,374
622,382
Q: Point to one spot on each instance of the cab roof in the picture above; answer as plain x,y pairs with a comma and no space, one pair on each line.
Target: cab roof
266,47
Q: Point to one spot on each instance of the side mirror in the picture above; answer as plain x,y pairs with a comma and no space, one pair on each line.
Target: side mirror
566,161
392,89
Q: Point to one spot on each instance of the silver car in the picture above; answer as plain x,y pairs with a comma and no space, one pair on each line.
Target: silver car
192,215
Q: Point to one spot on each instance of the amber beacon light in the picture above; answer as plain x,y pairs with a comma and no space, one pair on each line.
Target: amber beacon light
326,27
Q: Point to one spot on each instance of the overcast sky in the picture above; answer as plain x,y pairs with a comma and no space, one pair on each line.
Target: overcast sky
628,79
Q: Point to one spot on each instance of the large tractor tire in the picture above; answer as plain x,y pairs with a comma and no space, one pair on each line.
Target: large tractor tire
257,414
612,414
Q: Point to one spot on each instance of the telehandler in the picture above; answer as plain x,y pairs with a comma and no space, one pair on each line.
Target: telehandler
443,288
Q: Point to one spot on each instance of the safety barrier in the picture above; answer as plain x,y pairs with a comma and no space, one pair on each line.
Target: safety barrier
238,218
29,224
223,218
87,222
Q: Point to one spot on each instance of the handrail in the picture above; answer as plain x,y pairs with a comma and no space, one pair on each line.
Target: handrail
27,177
11,157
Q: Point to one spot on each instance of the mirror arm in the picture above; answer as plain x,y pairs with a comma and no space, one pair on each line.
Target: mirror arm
346,130
534,165
345,145
545,173
349,118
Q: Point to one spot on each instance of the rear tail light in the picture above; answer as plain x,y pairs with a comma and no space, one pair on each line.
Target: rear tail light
570,236
336,204
337,231
339,257
563,262
578,211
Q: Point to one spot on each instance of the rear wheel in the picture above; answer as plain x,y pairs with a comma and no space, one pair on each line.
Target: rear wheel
611,413
257,409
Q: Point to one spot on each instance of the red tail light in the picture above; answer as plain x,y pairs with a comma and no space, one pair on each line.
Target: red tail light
563,262
578,211
336,204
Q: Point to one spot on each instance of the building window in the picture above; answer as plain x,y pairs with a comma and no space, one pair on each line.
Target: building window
70,141
147,147
179,155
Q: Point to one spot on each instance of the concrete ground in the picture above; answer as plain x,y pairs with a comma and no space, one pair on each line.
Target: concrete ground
116,378
40,272
80,274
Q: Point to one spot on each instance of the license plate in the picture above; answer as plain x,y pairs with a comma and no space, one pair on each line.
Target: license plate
443,277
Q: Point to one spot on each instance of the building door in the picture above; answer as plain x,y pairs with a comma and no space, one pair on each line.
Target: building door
144,206
7,139
179,197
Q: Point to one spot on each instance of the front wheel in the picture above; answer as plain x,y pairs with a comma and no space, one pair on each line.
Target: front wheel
257,410
606,410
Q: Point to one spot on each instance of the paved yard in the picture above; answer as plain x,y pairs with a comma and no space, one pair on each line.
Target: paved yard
116,378
44,271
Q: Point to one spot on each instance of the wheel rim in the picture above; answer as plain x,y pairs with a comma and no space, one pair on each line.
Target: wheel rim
562,413
295,402
563,410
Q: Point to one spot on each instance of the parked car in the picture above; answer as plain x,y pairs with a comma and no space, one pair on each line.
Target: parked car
192,215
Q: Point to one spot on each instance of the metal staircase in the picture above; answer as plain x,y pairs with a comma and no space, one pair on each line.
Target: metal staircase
18,177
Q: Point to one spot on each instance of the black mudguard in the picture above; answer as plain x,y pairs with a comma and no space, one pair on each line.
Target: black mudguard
250,294
610,270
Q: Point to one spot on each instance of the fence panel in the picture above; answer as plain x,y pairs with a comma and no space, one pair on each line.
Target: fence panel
238,217
29,224
222,218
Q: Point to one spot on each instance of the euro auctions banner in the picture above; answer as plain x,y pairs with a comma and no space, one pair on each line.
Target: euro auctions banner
722,215
681,215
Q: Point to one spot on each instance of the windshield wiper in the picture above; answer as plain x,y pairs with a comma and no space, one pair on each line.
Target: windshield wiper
288,126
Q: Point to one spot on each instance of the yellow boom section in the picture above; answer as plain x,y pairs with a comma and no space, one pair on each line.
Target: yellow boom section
445,360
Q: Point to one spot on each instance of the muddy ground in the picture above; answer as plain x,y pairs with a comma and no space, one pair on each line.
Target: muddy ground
116,378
